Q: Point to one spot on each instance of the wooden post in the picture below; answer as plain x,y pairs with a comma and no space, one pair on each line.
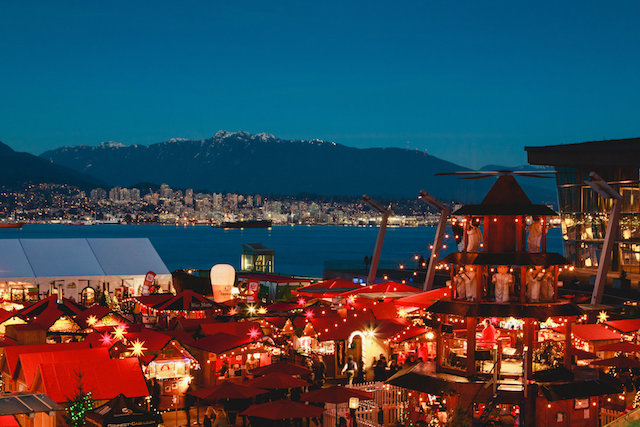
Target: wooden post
523,284
605,255
543,247
519,240
529,330
437,241
555,283
472,323
568,344
380,240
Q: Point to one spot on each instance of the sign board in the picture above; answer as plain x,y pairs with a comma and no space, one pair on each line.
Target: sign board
148,283
252,291
223,277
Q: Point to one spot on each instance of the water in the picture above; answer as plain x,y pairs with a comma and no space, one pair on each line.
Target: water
300,250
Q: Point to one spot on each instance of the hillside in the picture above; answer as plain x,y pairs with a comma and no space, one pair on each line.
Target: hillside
262,163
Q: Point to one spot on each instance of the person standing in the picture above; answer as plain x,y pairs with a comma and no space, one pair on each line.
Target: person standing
209,417
350,368
361,371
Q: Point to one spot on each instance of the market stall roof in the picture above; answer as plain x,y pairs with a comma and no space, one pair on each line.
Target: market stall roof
29,362
9,421
12,354
578,389
420,377
590,332
625,325
623,346
227,390
26,403
328,288
282,367
277,381
274,278
383,290
334,394
424,299
33,258
66,306
50,316
105,380
122,412
281,307
512,309
505,197
153,300
381,309
188,300
283,410
617,362
243,329
582,354
508,258
221,342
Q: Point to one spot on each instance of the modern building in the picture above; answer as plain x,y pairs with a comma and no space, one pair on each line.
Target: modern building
584,213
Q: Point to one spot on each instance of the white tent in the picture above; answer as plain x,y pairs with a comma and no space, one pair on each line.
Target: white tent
76,267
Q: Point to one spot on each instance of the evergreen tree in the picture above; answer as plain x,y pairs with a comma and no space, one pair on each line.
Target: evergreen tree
79,404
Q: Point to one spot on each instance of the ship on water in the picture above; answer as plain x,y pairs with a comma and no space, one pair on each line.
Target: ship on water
253,223
11,224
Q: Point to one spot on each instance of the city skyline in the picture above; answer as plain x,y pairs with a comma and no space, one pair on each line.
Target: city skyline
472,85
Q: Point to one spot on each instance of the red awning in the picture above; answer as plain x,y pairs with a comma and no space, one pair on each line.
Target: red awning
277,381
383,290
625,326
283,410
590,332
623,346
617,362
282,367
328,288
227,390
424,299
334,394
221,342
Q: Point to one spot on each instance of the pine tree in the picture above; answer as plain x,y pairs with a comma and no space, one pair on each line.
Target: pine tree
79,405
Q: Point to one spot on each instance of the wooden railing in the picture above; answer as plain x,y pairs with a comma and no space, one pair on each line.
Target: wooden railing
386,408
609,415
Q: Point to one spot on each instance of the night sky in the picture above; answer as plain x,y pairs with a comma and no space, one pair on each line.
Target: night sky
472,82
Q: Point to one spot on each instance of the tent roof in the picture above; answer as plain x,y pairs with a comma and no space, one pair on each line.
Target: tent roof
188,301
578,389
590,332
220,342
624,325
241,329
29,362
12,354
31,258
25,403
67,307
105,380
121,411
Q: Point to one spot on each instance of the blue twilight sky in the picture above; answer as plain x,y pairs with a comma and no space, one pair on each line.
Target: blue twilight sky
470,81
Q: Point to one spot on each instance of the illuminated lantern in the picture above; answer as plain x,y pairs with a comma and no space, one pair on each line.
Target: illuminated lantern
223,277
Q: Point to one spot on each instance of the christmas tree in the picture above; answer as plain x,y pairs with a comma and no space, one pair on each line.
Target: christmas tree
79,405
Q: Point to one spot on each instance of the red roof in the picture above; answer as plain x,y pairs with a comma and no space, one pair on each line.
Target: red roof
234,328
625,326
273,278
105,380
49,316
29,362
590,332
384,289
424,299
327,288
8,421
12,354
221,342
188,301
67,306
153,300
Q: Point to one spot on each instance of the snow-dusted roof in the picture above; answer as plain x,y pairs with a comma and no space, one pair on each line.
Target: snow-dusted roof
28,258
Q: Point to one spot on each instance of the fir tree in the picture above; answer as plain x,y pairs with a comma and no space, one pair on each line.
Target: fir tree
79,404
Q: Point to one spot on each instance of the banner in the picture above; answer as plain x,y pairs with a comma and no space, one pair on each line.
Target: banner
252,291
148,283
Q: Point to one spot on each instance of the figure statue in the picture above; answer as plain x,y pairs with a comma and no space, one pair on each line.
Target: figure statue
474,238
547,287
470,283
535,235
458,282
503,281
535,277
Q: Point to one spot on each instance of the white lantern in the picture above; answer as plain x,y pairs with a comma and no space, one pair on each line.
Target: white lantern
354,403
223,277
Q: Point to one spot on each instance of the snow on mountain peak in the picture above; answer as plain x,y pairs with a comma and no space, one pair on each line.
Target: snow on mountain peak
112,144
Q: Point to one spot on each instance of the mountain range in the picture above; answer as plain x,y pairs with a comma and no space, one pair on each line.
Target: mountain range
261,163
20,169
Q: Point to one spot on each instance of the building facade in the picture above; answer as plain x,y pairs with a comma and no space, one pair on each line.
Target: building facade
584,213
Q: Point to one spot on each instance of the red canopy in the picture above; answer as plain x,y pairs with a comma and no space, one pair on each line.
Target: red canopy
227,390
424,299
66,306
282,410
617,362
277,381
327,288
282,367
334,394
582,355
623,346
188,301
383,290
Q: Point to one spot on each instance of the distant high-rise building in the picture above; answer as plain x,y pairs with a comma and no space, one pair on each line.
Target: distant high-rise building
165,192
98,194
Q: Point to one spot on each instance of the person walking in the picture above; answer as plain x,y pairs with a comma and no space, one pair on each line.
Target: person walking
209,417
221,419
350,368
